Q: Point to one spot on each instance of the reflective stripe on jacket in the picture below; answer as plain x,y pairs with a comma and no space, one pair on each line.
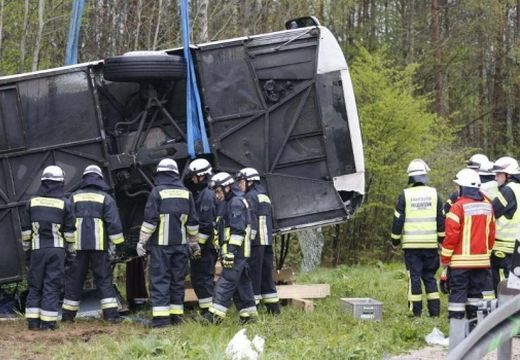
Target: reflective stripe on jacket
507,229
97,220
470,234
420,224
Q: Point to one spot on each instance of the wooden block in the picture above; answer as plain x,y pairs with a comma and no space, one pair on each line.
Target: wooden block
307,291
303,304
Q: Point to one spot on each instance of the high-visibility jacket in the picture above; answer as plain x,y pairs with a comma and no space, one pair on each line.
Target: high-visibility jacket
507,216
97,220
470,234
418,218
170,209
261,215
48,222
236,224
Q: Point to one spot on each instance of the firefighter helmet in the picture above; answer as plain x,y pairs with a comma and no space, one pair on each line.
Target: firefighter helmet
220,180
93,169
53,173
467,178
476,161
248,174
168,165
486,168
506,164
417,167
200,167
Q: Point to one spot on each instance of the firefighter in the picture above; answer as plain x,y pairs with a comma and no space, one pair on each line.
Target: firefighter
203,268
98,231
488,184
261,260
234,282
470,232
507,217
169,214
418,224
48,232
473,163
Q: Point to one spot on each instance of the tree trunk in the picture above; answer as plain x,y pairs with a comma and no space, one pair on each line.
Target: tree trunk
38,42
202,20
439,73
1,26
157,26
23,40
138,26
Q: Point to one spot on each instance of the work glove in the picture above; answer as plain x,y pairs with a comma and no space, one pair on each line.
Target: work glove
228,260
194,250
141,248
112,251
70,254
26,245
443,281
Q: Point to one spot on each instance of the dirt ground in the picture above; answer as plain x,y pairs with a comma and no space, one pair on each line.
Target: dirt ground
17,342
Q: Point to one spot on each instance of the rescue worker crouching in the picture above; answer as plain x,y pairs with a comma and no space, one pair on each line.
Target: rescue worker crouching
470,233
419,222
261,260
507,215
169,216
98,231
203,267
47,229
234,282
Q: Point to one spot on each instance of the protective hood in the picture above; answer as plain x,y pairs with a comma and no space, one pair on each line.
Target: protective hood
167,178
418,179
472,193
95,181
51,188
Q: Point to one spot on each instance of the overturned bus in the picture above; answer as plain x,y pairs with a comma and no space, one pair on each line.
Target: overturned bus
280,102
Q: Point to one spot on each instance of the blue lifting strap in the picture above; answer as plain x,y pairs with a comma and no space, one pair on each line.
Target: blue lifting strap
71,55
196,129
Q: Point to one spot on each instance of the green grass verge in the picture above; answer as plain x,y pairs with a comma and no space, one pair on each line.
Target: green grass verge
327,333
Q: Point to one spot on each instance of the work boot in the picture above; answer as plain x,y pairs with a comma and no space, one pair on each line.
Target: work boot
211,318
112,316
273,308
68,316
159,322
176,319
33,324
48,325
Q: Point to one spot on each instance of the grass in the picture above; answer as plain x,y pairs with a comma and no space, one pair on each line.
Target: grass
326,333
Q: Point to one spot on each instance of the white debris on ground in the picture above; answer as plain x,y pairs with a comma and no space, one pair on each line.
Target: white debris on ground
241,348
436,337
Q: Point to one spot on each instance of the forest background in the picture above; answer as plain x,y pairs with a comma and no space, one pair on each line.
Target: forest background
435,79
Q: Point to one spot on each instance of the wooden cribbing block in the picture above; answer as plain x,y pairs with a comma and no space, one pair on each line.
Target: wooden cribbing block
302,291
303,304
283,276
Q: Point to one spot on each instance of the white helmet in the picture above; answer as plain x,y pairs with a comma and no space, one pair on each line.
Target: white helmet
221,179
476,161
53,173
506,164
168,165
93,169
200,167
417,167
248,174
486,168
467,178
